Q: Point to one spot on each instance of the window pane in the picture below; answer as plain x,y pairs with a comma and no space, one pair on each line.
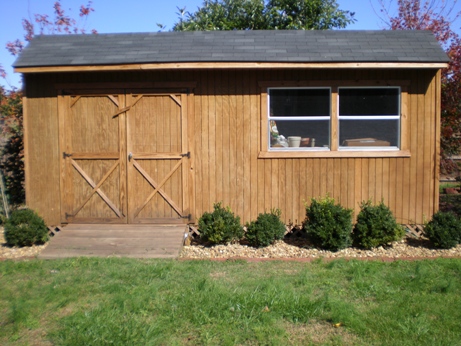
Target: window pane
369,133
369,101
299,102
317,132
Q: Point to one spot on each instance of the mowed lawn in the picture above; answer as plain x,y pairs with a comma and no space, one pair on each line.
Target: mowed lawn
91,301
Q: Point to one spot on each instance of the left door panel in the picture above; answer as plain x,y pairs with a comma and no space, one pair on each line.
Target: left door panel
93,164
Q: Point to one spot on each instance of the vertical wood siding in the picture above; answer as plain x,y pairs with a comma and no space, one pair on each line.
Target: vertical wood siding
41,152
224,140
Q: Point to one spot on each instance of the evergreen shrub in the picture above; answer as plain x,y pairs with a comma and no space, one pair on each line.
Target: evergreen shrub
376,226
221,226
25,228
266,229
328,225
444,230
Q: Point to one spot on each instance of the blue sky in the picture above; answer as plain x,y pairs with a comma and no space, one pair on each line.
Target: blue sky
134,16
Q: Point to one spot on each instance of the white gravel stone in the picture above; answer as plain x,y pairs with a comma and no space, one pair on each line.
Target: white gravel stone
297,249
411,248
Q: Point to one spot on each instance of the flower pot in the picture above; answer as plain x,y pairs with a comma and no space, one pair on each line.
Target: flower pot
305,142
294,141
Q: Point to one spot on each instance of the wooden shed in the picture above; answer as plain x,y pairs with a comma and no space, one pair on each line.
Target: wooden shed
157,127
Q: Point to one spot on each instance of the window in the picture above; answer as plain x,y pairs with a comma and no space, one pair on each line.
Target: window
369,118
299,119
334,119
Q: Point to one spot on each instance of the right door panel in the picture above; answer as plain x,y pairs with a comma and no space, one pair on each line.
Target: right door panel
156,154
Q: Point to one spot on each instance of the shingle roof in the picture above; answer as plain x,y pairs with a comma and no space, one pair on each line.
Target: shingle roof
232,46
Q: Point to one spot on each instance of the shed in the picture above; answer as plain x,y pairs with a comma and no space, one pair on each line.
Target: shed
157,127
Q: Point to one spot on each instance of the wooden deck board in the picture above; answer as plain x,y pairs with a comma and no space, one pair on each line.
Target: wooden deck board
105,240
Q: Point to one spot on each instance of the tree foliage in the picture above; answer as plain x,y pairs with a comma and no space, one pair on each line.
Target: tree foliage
61,23
12,148
438,17
12,153
264,15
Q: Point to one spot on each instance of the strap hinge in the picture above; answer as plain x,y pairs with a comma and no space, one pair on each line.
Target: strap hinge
186,155
65,155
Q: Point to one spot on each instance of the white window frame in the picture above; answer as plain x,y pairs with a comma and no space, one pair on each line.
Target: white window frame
334,151
298,118
371,117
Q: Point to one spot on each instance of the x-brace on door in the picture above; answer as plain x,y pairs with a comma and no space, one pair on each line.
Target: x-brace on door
124,157
158,157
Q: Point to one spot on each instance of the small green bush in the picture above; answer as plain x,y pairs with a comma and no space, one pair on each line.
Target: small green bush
328,225
220,226
25,228
376,226
444,230
266,229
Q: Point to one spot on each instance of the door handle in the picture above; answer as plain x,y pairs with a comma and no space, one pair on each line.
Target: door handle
130,156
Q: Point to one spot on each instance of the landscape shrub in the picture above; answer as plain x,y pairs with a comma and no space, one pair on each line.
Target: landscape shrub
444,230
266,229
376,226
25,228
220,226
328,225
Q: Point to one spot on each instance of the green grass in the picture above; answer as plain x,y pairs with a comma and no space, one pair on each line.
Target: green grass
152,302
444,185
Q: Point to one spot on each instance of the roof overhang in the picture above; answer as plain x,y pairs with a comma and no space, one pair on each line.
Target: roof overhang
233,65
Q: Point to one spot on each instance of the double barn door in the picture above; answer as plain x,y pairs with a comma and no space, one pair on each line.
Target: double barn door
124,157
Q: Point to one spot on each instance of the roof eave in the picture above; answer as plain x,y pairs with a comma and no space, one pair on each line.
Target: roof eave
231,65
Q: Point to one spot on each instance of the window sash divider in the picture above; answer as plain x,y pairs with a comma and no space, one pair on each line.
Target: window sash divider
369,117
299,118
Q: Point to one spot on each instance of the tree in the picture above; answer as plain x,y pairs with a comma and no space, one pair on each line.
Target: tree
437,16
42,24
12,153
264,15
12,146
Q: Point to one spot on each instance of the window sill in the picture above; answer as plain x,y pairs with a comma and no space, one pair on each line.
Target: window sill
294,154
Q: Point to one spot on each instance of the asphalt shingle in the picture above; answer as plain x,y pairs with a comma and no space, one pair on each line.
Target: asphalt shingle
232,46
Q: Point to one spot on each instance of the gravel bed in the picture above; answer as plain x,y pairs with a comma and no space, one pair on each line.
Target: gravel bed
301,249
286,249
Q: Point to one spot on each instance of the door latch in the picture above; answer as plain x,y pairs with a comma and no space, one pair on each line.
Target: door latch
130,156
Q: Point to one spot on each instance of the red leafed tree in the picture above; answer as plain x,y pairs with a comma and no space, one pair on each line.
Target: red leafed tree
61,23
12,147
12,157
439,17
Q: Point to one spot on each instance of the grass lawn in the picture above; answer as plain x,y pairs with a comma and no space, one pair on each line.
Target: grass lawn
90,301
444,185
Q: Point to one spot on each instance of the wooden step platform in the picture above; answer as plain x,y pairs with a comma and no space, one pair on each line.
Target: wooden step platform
105,240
